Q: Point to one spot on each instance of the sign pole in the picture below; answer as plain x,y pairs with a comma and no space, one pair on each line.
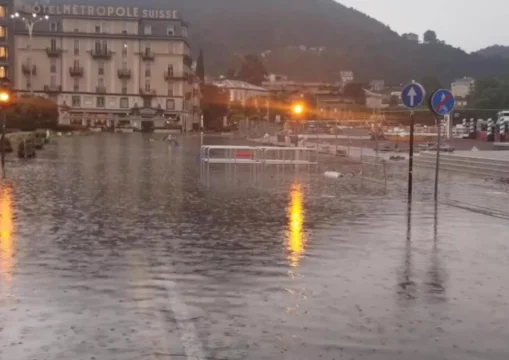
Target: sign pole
412,96
437,164
411,157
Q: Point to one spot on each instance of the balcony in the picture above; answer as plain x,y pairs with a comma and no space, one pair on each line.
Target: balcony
52,89
100,89
26,69
172,76
124,73
147,55
53,52
76,71
148,93
101,54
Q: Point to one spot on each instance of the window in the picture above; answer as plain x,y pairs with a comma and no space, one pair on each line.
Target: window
53,80
76,47
124,49
170,70
104,46
76,86
76,26
147,85
76,64
53,26
99,101
170,30
53,44
147,103
98,28
100,68
97,46
147,48
170,89
147,30
124,103
124,30
2,11
124,86
170,104
3,72
104,27
3,52
147,70
3,31
76,101
53,66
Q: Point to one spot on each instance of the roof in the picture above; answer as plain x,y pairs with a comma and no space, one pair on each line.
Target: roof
238,85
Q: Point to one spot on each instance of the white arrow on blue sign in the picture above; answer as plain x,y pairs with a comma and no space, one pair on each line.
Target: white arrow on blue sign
412,95
442,102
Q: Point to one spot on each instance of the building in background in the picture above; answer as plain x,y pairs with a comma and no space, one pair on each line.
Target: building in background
346,77
6,41
377,85
109,64
461,88
411,37
241,90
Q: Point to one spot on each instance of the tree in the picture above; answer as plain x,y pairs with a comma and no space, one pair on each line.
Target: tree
490,94
430,83
252,70
355,91
214,105
430,37
200,67
30,113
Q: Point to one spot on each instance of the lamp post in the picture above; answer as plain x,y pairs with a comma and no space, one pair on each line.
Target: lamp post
30,21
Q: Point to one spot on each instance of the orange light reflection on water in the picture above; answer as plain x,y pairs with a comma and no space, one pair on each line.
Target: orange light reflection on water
295,235
6,237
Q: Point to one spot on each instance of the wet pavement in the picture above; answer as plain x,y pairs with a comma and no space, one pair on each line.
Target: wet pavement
111,249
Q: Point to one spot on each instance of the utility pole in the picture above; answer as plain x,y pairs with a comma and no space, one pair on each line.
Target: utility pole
29,22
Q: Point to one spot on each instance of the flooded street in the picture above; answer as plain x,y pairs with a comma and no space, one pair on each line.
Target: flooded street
111,249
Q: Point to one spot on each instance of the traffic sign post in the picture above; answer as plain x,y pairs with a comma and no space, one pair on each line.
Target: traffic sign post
441,103
412,96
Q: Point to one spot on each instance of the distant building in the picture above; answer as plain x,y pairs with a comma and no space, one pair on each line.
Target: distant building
373,100
461,88
277,86
241,90
411,37
346,77
276,77
377,85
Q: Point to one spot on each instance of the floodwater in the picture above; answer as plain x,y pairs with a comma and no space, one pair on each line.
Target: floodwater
111,249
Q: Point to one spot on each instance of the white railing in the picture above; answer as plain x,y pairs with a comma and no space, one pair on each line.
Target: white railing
257,158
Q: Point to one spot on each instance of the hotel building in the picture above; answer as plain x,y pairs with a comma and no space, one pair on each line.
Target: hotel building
6,41
109,64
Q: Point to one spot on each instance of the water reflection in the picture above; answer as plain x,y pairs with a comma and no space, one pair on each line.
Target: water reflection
407,286
6,230
295,235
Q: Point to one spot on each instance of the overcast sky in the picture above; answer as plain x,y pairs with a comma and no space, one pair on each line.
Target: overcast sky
468,24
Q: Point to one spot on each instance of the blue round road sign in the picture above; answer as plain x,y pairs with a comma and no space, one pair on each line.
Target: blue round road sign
412,95
442,102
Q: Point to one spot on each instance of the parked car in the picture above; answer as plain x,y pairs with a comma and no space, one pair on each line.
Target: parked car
26,149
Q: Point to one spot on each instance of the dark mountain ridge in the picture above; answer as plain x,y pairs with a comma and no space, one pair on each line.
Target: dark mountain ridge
350,41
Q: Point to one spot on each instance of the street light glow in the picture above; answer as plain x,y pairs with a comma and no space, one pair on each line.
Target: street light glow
4,97
298,109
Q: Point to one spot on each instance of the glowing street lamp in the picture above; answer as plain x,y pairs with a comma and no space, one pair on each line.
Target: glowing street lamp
298,109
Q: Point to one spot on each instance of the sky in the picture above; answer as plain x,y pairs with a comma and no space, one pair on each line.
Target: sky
468,24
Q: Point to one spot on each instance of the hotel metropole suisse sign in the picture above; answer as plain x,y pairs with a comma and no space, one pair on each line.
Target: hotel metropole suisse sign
101,11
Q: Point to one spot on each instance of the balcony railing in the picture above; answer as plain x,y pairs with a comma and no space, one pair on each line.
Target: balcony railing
172,76
76,71
53,52
52,88
102,54
100,89
147,55
26,69
148,93
124,73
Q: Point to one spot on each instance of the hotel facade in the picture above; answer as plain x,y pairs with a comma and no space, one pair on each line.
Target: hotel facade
106,65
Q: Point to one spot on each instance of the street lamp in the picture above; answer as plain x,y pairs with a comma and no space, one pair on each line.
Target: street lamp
30,21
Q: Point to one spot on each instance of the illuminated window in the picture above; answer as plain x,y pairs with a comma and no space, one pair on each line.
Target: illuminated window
3,32
2,11
3,52
3,72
